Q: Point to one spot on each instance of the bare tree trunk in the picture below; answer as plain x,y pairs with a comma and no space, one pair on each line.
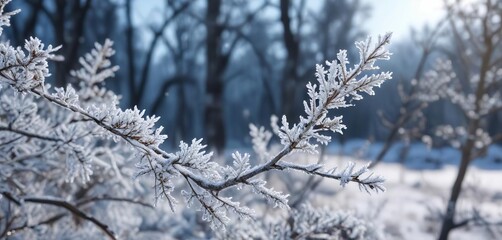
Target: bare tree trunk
80,13
32,20
467,149
290,76
71,43
130,52
214,127
448,220
181,117
59,31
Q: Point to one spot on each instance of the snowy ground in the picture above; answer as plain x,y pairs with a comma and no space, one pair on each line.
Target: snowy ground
416,191
404,209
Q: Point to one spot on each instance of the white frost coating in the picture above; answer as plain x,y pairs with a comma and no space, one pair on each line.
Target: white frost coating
337,86
260,138
90,111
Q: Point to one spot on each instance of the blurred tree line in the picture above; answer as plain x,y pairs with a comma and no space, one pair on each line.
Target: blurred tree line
211,67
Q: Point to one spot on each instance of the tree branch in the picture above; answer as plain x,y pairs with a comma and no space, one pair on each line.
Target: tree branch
29,134
63,204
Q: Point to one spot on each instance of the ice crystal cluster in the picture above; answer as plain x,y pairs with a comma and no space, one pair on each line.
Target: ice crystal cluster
69,129
335,87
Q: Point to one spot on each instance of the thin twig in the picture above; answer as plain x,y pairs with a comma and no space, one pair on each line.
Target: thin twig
63,204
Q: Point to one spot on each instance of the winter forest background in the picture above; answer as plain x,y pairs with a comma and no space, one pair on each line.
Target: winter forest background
84,161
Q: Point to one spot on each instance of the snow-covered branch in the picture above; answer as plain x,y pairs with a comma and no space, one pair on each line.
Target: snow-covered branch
93,112
63,204
345,175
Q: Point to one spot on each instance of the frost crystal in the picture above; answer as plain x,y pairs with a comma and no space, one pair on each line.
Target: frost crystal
338,86
80,121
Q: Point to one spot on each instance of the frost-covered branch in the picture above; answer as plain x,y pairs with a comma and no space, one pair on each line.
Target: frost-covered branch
5,16
63,204
29,134
346,175
336,86
113,199
91,112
